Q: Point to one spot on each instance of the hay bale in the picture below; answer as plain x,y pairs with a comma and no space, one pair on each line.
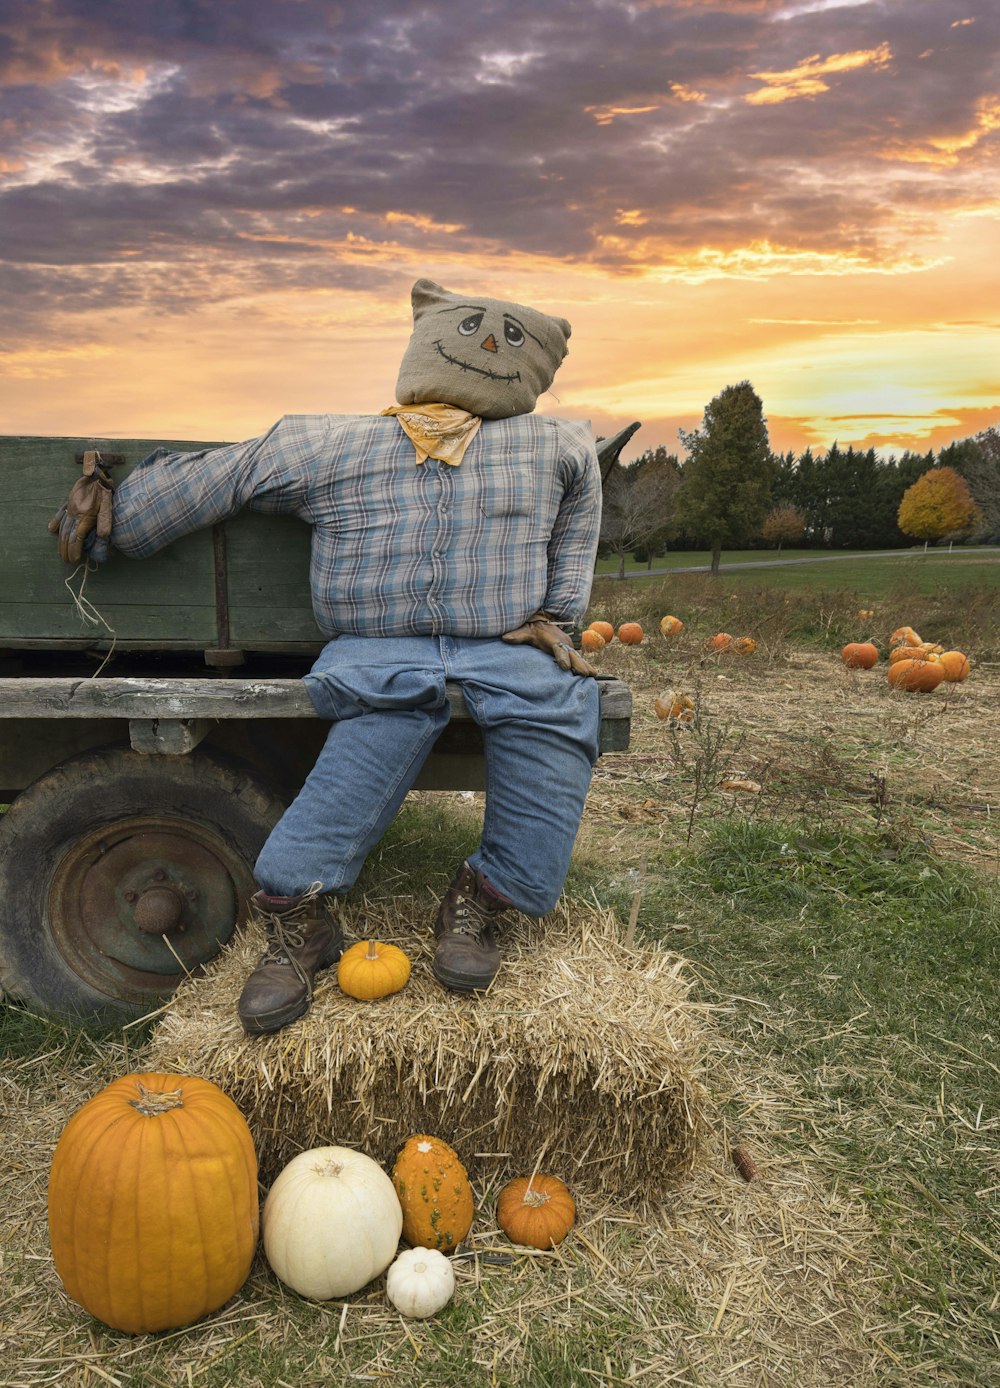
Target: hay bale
583,1055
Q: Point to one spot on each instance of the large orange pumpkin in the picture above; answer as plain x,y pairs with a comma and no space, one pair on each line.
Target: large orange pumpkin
630,633
153,1208
904,636
721,641
591,640
671,705
604,629
859,655
955,665
921,676
744,645
670,626
434,1191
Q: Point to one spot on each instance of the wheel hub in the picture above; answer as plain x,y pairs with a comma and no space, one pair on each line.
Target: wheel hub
137,905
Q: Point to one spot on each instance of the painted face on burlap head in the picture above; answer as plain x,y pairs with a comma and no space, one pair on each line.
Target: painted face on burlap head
486,356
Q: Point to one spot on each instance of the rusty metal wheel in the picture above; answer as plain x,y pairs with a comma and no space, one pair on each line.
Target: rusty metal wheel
121,873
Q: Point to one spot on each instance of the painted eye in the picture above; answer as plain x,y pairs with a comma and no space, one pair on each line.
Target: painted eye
470,325
513,334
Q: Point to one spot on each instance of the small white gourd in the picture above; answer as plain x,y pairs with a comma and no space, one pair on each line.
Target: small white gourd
420,1282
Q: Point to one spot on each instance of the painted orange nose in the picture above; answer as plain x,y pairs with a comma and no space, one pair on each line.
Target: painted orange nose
490,344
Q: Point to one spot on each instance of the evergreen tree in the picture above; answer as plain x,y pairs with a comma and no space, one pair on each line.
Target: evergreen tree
729,472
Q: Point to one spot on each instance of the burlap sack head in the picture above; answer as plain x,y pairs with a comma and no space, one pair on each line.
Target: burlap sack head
488,357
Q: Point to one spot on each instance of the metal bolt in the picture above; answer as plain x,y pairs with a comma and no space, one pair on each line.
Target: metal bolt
159,875
130,896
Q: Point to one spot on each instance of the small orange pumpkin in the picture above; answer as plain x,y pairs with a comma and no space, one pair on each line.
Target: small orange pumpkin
630,633
592,640
904,636
864,613
956,666
670,626
153,1203
721,641
536,1211
744,645
604,629
671,705
371,969
860,655
434,1192
921,676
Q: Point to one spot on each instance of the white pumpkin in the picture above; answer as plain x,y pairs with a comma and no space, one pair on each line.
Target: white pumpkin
420,1282
331,1222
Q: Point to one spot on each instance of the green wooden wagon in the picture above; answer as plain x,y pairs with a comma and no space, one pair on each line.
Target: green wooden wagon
153,724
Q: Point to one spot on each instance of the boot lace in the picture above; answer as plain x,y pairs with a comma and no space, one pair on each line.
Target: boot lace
286,933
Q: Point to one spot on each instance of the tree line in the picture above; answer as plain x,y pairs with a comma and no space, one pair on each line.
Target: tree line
732,492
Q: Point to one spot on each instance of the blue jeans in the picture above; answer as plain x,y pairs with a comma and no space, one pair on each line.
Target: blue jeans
386,697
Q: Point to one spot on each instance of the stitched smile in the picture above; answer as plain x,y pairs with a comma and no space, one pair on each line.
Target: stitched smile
479,370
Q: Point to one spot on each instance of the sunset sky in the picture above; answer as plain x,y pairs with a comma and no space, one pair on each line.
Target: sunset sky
211,211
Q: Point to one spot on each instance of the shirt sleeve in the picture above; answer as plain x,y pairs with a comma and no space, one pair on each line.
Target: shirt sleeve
170,494
572,548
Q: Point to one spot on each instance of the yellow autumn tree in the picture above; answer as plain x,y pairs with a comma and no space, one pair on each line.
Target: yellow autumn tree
938,503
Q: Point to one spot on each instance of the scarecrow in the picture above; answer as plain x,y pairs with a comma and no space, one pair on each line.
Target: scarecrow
453,538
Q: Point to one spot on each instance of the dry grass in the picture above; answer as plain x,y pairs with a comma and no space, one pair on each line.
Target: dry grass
769,1282
714,1282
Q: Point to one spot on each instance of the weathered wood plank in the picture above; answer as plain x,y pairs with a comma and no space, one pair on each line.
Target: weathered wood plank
43,697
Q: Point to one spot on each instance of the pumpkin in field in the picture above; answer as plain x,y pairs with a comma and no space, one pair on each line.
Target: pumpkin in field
670,626
921,676
592,640
630,633
721,641
744,645
604,629
331,1222
860,655
153,1211
922,652
864,613
434,1191
904,636
677,706
536,1211
371,969
955,665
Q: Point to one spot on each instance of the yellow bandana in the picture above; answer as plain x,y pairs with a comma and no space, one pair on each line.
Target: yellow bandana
437,431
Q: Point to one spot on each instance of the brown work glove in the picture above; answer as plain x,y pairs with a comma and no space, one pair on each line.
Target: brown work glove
541,631
87,508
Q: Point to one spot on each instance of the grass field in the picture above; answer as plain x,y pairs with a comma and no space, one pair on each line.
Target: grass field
823,852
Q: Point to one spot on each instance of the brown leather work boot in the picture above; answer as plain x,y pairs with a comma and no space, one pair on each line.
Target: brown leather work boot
302,938
467,957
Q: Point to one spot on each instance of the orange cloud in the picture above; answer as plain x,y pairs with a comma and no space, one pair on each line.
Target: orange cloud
606,115
944,151
807,78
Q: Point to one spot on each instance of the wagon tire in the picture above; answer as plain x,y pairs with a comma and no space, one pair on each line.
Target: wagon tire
122,873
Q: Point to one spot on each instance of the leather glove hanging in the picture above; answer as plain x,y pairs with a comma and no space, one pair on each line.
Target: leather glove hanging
541,631
88,507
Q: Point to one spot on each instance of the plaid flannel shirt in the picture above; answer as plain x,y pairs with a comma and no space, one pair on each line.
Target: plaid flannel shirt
398,549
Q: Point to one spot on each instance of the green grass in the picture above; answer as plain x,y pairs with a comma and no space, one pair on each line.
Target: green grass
871,972
962,555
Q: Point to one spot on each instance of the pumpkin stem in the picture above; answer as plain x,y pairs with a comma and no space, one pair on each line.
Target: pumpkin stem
372,951
534,1198
152,1102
